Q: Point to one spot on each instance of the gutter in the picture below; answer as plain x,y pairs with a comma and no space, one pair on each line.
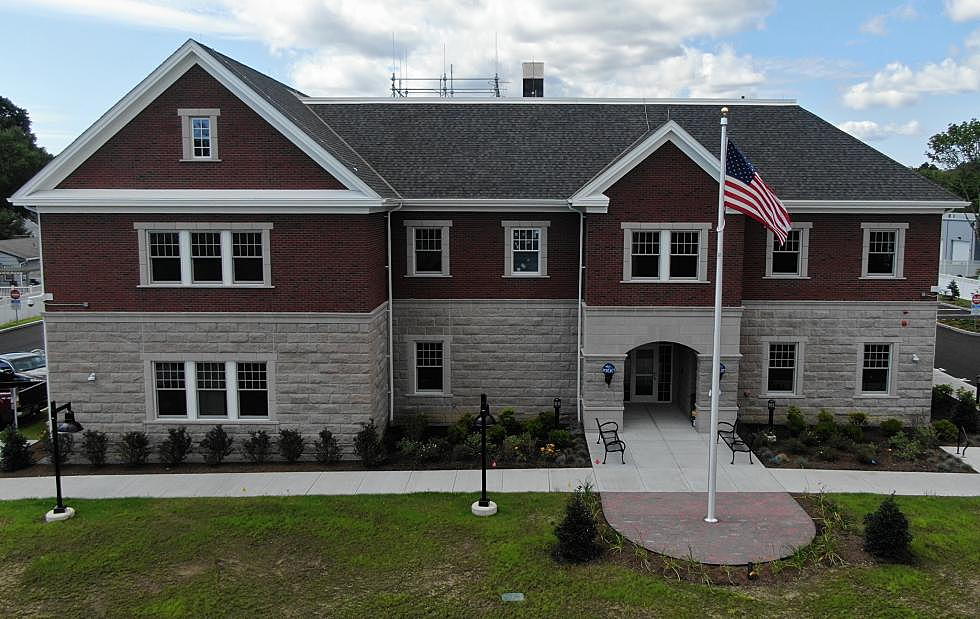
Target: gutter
578,308
391,328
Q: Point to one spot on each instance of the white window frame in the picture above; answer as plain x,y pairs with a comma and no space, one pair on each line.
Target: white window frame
798,367
898,271
803,264
410,227
184,229
186,132
190,362
890,391
446,342
664,269
509,228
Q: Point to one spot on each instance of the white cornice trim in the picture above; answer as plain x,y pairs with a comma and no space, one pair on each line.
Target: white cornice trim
592,192
279,317
510,205
910,207
538,101
137,99
338,201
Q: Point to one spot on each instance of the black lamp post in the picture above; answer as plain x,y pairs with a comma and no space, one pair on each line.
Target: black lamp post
557,412
68,426
484,507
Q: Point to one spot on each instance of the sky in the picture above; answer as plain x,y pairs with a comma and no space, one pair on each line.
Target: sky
891,73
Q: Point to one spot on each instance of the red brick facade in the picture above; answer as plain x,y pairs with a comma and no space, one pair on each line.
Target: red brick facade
666,187
477,244
319,264
146,153
836,245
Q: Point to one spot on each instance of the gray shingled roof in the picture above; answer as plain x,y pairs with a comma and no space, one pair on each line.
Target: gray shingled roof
541,150
550,150
286,100
20,247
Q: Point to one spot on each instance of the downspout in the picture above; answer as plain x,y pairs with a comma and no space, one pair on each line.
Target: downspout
578,307
391,328
44,323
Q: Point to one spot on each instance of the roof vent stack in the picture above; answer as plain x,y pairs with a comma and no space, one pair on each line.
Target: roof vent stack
533,79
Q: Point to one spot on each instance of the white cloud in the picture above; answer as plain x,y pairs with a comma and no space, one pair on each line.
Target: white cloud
870,131
344,47
963,10
878,24
898,84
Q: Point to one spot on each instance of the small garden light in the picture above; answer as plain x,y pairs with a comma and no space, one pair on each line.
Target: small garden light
557,412
68,426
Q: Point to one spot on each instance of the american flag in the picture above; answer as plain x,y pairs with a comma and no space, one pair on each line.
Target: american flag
747,193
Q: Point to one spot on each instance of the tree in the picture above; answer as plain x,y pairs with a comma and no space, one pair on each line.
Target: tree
20,159
955,157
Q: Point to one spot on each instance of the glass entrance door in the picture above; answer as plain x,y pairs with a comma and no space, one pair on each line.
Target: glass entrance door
652,368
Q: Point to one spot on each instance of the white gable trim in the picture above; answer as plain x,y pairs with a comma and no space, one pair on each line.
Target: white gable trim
591,195
136,100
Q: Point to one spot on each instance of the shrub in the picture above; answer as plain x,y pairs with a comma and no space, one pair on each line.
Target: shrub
954,289
134,448
852,432
496,434
562,439
458,432
216,445
520,448
946,431
926,436
508,420
409,449
796,446
415,427
368,445
291,445
66,445
905,448
866,454
890,427
471,448
94,445
826,454
15,453
841,442
795,422
965,412
810,438
826,426
418,452
857,418
536,428
326,450
577,532
943,402
257,446
886,532
174,448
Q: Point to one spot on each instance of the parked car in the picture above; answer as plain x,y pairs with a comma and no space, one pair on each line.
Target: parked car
27,372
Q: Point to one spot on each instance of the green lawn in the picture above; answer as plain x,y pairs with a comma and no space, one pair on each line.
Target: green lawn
967,324
423,554
22,321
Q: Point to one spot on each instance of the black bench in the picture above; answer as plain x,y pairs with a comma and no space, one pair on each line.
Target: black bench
609,435
728,432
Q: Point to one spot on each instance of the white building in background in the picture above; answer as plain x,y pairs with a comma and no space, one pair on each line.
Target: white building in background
960,246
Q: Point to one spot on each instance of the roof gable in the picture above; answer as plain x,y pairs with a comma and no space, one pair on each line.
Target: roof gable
187,56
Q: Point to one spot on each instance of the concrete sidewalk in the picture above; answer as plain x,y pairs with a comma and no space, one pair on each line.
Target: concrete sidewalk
291,484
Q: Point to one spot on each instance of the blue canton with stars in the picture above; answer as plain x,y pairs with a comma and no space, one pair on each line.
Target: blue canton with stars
737,165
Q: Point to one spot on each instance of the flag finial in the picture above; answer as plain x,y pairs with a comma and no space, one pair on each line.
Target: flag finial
724,111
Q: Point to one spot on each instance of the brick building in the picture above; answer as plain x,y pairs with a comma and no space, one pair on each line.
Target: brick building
224,249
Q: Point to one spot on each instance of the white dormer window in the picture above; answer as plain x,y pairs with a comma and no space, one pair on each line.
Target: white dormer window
525,248
199,134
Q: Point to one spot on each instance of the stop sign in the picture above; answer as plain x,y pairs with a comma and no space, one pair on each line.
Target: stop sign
14,293
976,298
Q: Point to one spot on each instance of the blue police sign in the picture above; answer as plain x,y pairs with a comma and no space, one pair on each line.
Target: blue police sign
721,369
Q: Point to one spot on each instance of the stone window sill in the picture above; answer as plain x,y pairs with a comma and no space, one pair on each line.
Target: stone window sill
254,286
786,277
535,276
881,277
663,281
200,160
429,275
430,395
212,421
783,396
876,396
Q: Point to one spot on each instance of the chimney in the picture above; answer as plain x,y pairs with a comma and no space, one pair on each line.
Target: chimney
533,79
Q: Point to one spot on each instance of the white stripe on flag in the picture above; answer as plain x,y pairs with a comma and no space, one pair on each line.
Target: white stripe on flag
758,201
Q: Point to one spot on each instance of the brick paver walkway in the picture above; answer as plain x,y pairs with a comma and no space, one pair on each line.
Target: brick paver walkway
756,527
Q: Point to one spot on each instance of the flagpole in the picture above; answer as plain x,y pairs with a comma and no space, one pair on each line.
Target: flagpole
716,335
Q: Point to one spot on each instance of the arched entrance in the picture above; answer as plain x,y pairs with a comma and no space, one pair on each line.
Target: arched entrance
662,377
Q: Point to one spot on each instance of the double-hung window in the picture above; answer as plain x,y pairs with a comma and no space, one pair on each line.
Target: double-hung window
665,252
199,134
525,248
883,256
428,248
429,365
876,367
210,389
204,254
782,371
789,260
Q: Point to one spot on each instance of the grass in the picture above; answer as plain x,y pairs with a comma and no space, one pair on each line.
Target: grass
955,301
423,555
22,321
34,429
967,324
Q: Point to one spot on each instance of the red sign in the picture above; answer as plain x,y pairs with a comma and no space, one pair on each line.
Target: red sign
14,293
976,298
